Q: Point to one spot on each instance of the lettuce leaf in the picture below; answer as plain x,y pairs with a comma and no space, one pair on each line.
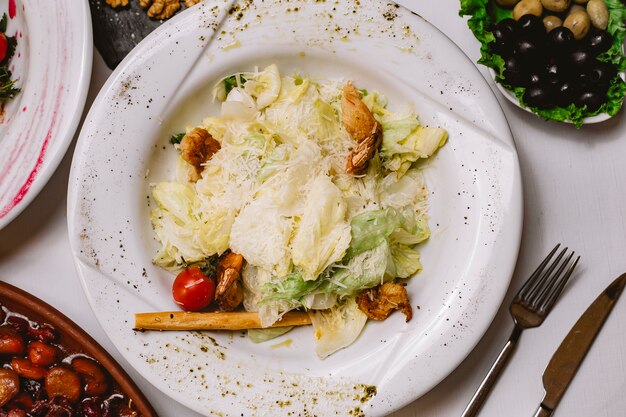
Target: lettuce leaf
406,261
270,310
186,231
366,270
617,17
382,248
337,327
263,335
299,113
484,13
264,86
323,234
370,229
262,243
291,287
405,141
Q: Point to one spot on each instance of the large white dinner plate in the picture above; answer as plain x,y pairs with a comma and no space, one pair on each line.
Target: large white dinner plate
52,65
475,205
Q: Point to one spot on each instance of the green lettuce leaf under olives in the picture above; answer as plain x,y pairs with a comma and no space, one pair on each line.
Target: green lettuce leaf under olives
484,13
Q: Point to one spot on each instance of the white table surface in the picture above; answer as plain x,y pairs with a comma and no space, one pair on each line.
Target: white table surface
574,192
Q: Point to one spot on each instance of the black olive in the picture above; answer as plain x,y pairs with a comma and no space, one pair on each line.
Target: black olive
582,79
536,77
507,25
560,67
599,88
555,72
531,27
530,52
580,60
592,99
599,42
539,96
561,40
502,35
504,43
514,71
601,73
566,94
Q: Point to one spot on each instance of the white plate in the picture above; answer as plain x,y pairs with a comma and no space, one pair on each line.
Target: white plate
476,205
53,65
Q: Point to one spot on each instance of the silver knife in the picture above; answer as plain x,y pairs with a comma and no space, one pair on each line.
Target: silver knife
570,354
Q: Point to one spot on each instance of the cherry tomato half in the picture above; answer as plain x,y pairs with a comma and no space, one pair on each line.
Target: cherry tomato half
192,290
4,45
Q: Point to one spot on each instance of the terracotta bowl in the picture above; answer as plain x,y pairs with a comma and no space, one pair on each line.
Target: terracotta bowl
75,339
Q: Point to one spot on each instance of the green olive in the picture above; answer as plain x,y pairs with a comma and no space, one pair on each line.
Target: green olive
507,3
556,5
552,22
576,8
579,23
581,1
525,7
598,13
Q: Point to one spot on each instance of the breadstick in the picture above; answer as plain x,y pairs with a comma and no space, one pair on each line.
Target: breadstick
212,321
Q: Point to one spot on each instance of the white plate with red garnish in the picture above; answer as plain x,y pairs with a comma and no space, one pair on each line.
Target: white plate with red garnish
165,84
51,66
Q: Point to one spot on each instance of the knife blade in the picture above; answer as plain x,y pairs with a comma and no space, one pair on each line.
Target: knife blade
570,354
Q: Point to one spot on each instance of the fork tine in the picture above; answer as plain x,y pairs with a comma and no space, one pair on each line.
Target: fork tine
551,282
549,303
545,277
534,278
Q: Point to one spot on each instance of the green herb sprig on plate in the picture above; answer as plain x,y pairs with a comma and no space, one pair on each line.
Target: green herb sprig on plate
7,50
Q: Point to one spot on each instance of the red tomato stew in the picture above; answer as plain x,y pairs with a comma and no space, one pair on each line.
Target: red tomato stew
40,377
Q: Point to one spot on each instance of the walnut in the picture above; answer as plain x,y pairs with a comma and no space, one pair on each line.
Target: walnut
190,3
229,292
160,9
363,127
379,302
117,3
197,147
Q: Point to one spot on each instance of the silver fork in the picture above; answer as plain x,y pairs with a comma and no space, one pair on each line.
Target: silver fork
529,308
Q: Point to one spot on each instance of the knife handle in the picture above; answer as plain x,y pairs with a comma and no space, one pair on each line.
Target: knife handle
490,379
542,412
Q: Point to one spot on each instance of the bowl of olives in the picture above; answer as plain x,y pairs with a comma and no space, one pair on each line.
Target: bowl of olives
560,59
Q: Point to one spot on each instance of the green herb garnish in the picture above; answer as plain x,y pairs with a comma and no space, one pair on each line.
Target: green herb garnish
232,82
208,265
7,84
175,139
